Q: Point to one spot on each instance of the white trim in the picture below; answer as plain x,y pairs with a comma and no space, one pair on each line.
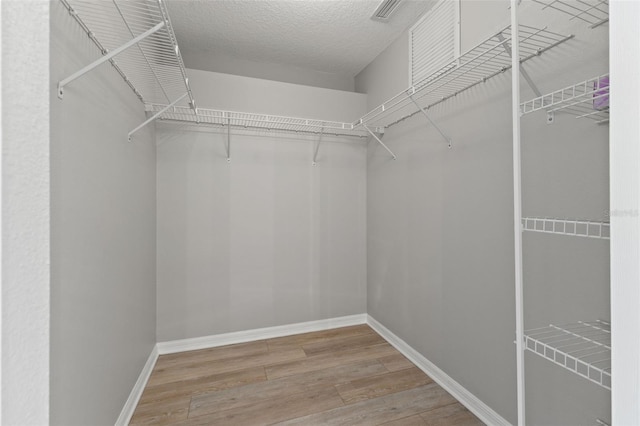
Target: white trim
466,398
1,235
517,215
213,341
138,388
624,169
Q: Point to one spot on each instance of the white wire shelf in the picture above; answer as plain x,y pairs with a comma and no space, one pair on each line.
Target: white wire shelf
253,121
587,99
593,12
575,228
152,66
486,60
583,348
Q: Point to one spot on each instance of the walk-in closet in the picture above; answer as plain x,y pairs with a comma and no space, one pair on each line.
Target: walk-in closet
252,212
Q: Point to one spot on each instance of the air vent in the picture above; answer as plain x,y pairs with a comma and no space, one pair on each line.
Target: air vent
385,10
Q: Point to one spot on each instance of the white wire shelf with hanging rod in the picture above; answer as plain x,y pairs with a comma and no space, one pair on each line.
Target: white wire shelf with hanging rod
592,12
575,228
583,348
252,121
486,60
137,38
587,99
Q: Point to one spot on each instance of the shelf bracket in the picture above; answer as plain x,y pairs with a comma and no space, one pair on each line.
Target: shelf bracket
527,78
379,141
446,138
315,154
228,147
156,115
106,57
523,72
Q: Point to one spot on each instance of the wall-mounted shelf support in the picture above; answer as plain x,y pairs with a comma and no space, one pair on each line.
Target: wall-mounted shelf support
315,154
107,56
523,72
516,49
156,115
228,147
435,126
379,141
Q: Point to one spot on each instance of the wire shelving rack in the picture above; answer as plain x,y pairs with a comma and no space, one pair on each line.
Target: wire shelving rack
137,38
593,12
583,348
486,60
576,228
153,66
245,120
587,99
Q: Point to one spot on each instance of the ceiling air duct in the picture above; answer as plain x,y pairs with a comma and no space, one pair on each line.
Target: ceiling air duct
385,10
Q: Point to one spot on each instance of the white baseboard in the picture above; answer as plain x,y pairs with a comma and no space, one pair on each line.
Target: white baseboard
138,388
257,334
466,398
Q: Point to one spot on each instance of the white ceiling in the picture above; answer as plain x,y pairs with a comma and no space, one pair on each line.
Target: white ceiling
334,36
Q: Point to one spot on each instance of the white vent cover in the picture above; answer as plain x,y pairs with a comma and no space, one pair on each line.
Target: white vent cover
385,10
434,41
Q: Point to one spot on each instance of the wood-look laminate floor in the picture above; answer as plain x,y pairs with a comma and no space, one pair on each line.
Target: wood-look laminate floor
344,376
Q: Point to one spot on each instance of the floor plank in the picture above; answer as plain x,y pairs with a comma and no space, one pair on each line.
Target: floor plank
396,362
298,340
212,354
282,388
327,360
204,384
451,415
342,344
271,411
407,421
203,368
373,387
381,410
168,413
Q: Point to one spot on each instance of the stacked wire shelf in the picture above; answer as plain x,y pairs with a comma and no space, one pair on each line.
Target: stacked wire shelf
252,121
593,12
576,228
587,99
149,59
583,348
488,59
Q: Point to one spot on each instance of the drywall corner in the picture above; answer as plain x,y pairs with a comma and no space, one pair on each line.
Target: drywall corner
25,212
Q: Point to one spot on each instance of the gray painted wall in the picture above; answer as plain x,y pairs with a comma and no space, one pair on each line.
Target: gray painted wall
102,235
440,227
268,239
283,73
238,93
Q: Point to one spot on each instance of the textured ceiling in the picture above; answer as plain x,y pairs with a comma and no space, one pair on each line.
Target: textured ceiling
335,36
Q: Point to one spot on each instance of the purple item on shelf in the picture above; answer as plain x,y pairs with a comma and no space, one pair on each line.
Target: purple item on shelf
601,93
